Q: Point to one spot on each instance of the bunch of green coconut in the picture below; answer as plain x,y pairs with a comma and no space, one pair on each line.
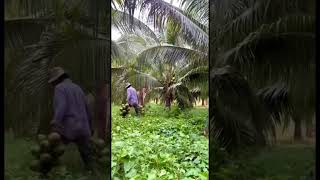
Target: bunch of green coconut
124,110
47,153
100,151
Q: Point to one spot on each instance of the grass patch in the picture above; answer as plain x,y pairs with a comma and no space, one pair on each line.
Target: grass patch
280,162
18,158
287,161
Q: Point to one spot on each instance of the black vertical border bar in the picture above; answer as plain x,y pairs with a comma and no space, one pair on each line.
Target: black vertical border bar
2,89
109,59
317,165
209,117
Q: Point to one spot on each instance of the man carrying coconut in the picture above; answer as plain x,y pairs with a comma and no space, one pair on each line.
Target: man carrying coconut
72,119
132,98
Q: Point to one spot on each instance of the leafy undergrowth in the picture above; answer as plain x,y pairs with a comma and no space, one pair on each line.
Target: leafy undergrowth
160,145
18,158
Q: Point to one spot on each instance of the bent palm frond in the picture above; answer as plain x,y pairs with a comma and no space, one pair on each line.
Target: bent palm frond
122,21
159,11
171,54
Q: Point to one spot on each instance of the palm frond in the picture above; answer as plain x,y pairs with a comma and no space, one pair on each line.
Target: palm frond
55,49
24,31
194,74
276,99
118,71
122,21
155,92
236,110
299,27
199,10
246,16
171,54
195,92
132,44
115,50
158,13
32,7
140,79
182,95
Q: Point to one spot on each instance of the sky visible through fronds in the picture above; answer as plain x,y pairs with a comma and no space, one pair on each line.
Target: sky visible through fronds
115,34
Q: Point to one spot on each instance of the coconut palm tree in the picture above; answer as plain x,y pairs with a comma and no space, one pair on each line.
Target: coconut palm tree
271,45
192,18
71,34
159,60
171,78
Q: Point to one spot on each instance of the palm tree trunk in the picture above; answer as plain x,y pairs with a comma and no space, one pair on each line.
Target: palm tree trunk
108,114
297,128
44,125
309,129
46,112
102,103
141,97
167,102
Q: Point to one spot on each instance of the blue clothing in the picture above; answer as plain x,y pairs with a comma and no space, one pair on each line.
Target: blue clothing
72,117
132,96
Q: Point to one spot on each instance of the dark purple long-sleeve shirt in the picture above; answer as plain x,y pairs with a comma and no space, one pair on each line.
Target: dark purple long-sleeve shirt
72,116
132,96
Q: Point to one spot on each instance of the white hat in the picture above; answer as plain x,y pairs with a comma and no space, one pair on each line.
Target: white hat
128,85
55,73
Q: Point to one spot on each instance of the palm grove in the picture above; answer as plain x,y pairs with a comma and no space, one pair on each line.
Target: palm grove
43,34
166,60
262,64
262,60
262,71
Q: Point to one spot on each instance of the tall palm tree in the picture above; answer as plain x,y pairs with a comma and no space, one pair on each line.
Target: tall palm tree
71,34
173,78
174,25
269,43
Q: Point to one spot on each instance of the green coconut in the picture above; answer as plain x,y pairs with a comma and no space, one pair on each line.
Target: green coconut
58,151
104,152
56,162
45,158
35,151
41,137
35,165
54,138
44,145
100,143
